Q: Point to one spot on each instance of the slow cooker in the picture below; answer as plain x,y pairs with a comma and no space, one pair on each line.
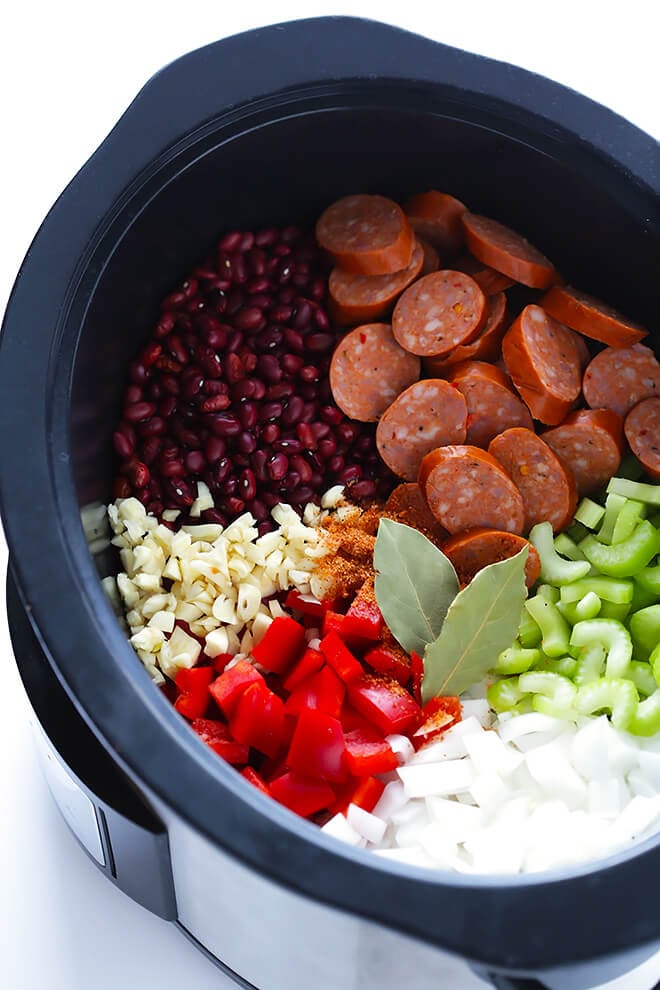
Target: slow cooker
259,129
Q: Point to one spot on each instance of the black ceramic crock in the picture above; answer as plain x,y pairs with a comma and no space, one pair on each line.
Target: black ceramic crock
267,128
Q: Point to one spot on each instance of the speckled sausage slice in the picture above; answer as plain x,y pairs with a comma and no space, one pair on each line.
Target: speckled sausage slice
475,549
508,252
484,347
466,487
428,414
361,298
368,370
407,505
619,378
642,429
367,235
438,312
590,443
486,277
437,217
543,359
546,484
591,317
492,404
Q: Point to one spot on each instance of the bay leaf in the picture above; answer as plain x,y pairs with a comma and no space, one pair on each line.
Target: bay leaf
415,584
481,621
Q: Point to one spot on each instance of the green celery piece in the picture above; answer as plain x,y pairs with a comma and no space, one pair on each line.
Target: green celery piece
590,665
649,579
589,513
555,569
613,636
606,588
588,607
549,593
614,610
568,548
613,505
646,720
623,559
554,628
504,695
529,634
640,673
654,664
616,695
552,693
645,629
576,532
635,489
627,520
566,666
516,660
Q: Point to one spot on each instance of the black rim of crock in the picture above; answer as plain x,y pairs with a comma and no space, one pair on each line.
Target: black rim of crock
518,923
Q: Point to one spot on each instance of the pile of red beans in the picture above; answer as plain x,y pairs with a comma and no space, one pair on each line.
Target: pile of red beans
232,389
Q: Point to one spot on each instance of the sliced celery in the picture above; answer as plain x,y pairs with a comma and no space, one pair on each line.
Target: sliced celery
516,660
552,693
554,628
568,548
590,665
627,520
645,628
529,634
504,695
613,505
649,579
613,610
641,675
627,558
555,569
612,694
613,636
606,588
635,489
589,513
646,720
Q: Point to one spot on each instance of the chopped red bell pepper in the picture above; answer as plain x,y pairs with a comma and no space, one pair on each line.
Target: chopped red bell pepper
218,737
230,685
350,719
438,715
385,703
365,793
417,668
367,753
281,646
309,663
255,779
323,691
306,605
221,661
332,622
259,719
301,794
340,658
193,683
363,620
317,747
389,659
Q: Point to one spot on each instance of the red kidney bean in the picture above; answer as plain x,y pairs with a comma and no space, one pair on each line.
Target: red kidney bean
214,517
351,473
247,484
309,373
259,389
321,320
363,489
235,301
195,461
302,495
319,342
316,480
170,384
221,470
331,415
270,433
305,435
279,391
155,391
247,443
288,446
291,364
234,506
270,411
290,482
277,467
258,284
137,411
214,449
140,475
303,314
192,387
256,259
133,394
250,319
180,493
155,508
247,241
294,410
214,387
309,413
217,338
234,370
280,313
151,449
239,269
281,250
123,445
224,424
138,374
308,391
234,341
230,486
266,237
258,509
294,341
336,464
347,432
268,366
327,448
171,468
215,403
231,241
302,468
320,430
211,365
259,461
154,427
248,413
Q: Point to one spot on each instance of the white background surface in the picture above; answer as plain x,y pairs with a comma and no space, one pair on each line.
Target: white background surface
67,71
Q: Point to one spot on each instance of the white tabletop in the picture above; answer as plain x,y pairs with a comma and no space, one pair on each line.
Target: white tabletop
67,71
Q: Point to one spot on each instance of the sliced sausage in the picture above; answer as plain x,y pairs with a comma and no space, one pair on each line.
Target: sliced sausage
438,312
544,363
546,484
368,370
619,378
508,252
431,261
486,278
428,414
406,505
475,549
367,235
492,404
642,428
437,217
484,347
591,317
466,487
362,298
590,443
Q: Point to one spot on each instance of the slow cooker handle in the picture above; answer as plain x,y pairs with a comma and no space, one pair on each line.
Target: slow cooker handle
502,982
